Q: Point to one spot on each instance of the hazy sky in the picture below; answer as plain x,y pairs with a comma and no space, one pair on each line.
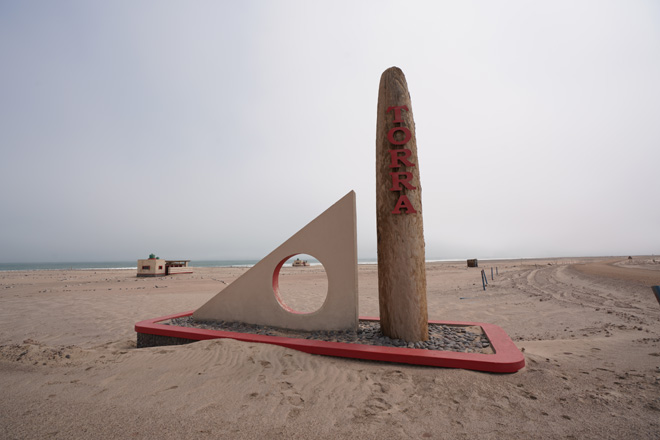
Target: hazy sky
216,130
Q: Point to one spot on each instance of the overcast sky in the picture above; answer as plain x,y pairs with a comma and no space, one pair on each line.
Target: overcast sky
216,130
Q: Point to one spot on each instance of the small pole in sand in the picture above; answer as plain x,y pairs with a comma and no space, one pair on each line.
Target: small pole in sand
497,271
492,278
656,290
482,279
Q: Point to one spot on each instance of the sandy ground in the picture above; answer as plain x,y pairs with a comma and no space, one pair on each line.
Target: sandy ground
590,330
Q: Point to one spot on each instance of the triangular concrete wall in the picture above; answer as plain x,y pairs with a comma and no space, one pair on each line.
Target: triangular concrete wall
253,298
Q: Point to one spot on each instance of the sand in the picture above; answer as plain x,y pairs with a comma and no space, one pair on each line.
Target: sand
590,330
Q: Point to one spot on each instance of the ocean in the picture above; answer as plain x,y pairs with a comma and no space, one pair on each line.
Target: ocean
133,264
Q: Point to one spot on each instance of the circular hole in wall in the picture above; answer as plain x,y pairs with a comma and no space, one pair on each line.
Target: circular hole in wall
300,284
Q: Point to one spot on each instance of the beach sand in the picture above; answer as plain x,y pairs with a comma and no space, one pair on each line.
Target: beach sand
590,330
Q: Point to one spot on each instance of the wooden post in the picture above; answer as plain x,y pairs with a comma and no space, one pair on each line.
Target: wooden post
483,281
400,231
492,278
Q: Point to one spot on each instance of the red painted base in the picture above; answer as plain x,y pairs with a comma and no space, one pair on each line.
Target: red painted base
507,357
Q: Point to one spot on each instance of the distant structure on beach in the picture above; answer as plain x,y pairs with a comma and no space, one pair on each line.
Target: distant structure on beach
300,263
473,263
155,267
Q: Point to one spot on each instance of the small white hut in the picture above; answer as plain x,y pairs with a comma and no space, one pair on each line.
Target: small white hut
155,267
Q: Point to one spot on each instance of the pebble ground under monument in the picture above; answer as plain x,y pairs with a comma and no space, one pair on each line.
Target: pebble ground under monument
400,229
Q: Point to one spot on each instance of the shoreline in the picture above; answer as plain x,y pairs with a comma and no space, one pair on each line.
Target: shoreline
43,266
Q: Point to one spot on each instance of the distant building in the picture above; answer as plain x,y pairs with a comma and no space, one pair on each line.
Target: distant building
300,263
155,267
177,267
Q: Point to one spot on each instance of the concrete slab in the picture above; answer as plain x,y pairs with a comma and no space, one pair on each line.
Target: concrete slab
254,298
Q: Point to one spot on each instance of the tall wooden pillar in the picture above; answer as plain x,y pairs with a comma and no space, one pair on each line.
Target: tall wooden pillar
401,257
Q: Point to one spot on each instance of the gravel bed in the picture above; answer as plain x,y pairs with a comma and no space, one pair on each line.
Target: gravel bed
464,339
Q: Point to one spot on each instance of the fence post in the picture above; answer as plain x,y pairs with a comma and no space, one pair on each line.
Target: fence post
483,282
491,274
656,290
497,271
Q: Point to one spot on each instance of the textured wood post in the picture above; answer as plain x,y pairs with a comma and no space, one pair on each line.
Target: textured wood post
401,257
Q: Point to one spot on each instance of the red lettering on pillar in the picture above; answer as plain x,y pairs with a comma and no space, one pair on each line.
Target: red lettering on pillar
403,203
395,158
406,135
400,178
397,180
397,112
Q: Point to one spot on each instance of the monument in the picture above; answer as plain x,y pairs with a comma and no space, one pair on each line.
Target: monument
400,229
253,300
